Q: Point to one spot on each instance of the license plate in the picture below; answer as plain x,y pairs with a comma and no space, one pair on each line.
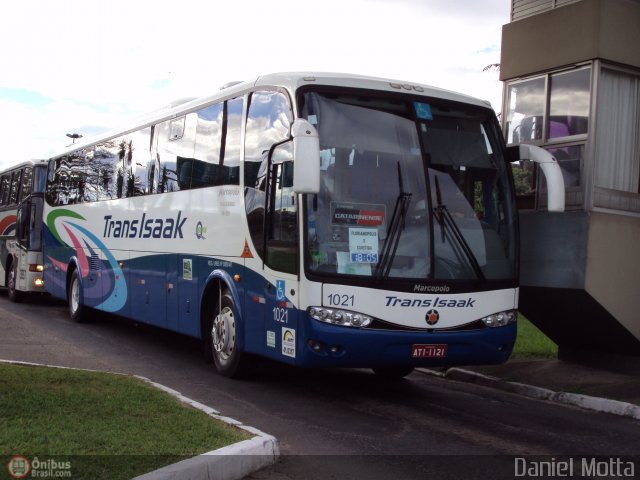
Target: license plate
429,351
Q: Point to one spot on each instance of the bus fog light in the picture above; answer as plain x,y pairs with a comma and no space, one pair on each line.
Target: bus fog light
500,319
339,317
315,346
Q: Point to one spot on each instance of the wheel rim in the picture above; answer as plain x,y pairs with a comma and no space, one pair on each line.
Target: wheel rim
75,296
223,334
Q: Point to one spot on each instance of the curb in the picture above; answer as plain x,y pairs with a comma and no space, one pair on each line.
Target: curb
228,463
596,404
232,462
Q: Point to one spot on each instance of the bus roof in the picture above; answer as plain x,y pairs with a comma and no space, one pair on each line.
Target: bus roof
23,164
291,81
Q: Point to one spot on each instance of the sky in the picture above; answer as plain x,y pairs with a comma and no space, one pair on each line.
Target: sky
88,66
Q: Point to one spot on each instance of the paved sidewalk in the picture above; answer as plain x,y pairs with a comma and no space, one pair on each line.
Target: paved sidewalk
565,376
557,380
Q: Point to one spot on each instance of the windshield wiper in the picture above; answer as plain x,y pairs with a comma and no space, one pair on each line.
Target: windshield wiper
394,231
446,220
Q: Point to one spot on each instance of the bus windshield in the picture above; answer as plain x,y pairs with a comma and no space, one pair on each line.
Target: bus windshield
414,189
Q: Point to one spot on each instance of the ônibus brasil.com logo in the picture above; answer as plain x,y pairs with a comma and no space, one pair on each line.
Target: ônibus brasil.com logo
20,467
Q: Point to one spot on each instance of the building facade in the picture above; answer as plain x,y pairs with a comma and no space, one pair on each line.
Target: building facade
572,85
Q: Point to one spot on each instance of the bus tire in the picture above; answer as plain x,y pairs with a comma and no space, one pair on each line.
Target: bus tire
221,337
13,293
392,373
77,311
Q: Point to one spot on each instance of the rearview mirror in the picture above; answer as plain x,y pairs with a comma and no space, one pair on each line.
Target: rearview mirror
306,157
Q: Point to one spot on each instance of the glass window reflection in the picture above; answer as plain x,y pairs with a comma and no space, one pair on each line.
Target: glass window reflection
25,187
268,121
569,103
232,144
174,146
525,114
570,159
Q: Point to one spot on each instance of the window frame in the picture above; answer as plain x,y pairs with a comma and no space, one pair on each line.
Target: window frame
545,140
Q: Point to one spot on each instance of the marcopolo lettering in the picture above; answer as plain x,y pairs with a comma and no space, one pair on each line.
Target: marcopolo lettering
144,227
438,302
431,288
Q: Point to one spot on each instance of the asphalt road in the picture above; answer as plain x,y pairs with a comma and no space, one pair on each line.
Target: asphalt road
333,424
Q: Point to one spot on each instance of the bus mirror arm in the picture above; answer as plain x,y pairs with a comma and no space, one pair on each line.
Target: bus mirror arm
552,173
306,157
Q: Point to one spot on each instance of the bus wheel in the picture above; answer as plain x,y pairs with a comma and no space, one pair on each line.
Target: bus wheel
393,373
14,294
77,310
222,337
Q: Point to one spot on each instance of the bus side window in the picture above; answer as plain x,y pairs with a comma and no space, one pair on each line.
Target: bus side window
231,141
217,152
5,185
22,222
174,153
25,187
282,218
105,164
268,122
206,166
15,187
138,177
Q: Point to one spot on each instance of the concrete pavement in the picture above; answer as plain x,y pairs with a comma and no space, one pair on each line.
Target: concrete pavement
551,379
559,381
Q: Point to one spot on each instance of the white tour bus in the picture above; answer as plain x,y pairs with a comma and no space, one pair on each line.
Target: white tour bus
20,255
315,219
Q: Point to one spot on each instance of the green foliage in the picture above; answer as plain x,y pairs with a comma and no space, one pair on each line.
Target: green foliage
522,178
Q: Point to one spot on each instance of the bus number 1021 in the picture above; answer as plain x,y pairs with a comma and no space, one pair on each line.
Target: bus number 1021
337,300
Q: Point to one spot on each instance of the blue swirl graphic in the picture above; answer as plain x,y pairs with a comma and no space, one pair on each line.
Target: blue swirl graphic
118,297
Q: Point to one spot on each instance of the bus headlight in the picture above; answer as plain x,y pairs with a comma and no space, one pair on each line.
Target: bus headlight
500,319
339,317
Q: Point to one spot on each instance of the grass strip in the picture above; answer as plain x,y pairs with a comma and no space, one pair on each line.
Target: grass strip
112,421
532,343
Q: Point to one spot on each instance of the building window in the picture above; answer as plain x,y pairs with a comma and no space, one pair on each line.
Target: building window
549,108
569,103
570,160
617,139
551,111
526,110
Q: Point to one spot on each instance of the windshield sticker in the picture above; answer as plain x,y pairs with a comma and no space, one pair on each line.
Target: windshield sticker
370,215
363,245
423,111
349,268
